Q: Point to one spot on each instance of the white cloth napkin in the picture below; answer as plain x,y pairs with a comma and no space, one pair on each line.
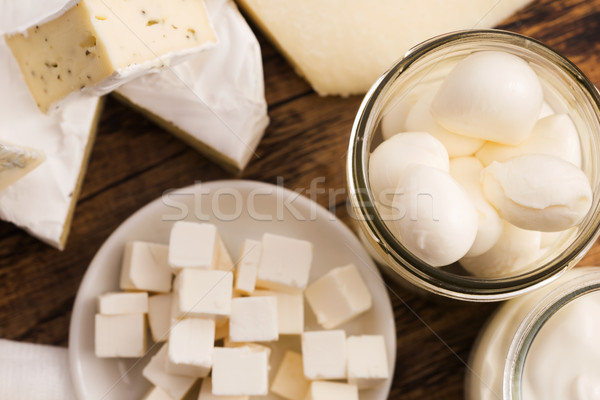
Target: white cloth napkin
34,372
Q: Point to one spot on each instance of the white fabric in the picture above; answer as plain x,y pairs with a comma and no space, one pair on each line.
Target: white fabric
34,372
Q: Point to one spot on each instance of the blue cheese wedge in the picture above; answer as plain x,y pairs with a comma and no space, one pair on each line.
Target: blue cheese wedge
42,202
100,44
214,101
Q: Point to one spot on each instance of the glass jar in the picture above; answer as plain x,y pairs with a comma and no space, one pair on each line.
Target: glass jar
565,88
499,356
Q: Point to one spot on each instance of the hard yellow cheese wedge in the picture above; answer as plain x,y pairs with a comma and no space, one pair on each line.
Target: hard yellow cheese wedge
16,162
100,44
343,46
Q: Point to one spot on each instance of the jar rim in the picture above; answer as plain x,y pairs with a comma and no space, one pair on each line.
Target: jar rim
567,292
377,232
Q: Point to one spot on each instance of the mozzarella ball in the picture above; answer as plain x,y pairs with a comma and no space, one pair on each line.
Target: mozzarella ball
554,135
490,95
391,158
467,171
515,250
436,221
538,192
420,119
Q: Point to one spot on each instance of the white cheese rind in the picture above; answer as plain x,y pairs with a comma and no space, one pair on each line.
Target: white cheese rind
155,371
343,46
42,202
18,16
145,267
285,263
215,100
339,296
240,371
324,354
253,319
120,335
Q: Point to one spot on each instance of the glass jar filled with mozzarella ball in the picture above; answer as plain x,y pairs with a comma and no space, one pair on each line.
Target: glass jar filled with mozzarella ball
473,166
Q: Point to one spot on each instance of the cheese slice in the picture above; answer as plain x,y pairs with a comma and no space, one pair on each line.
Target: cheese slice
42,202
343,46
215,101
101,44
16,162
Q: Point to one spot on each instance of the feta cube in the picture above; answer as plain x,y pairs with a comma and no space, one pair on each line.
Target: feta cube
159,316
193,245
191,345
253,319
202,293
367,361
120,335
224,261
284,263
332,391
155,371
247,269
145,267
206,392
324,354
240,371
157,393
256,346
289,381
338,296
123,303
290,311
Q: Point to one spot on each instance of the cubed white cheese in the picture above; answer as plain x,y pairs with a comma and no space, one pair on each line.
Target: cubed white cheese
256,346
240,371
324,354
202,293
339,296
157,393
289,382
155,371
367,361
101,44
253,319
191,344
159,316
332,391
123,303
120,335
284,263
145,267
193,245
290,311
224,261
206,392
247,269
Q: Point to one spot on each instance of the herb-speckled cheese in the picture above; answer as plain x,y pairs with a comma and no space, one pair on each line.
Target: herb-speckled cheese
100,44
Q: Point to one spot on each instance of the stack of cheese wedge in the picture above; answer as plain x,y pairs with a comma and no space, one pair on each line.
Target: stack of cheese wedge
49,106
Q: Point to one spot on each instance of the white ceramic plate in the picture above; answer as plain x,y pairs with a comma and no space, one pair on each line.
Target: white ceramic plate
240,209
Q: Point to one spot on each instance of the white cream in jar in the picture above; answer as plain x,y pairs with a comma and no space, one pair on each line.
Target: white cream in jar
544,345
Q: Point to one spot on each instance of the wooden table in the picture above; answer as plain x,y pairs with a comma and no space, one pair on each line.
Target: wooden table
134,161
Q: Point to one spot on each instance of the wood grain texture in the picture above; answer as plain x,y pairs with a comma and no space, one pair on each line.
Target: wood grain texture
134,162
